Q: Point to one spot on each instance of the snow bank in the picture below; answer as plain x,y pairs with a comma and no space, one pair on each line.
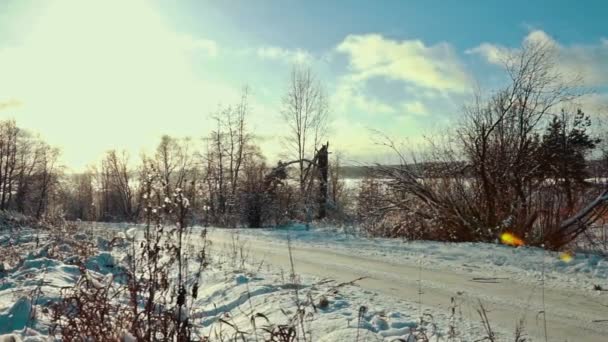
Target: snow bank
17,316
41,265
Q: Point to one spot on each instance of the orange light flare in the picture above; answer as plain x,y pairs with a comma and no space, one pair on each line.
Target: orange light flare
566,256
511,240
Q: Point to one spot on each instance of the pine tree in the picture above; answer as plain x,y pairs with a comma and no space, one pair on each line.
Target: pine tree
565,144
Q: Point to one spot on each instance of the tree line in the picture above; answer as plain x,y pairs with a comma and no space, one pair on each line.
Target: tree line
516,160
225,176
29,171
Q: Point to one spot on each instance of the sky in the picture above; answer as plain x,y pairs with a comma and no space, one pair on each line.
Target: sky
90,76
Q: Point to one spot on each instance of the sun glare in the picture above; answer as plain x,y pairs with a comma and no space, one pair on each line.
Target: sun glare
511,240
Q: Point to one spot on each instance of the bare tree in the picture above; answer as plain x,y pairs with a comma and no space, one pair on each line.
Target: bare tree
119,185
305,111
9,133
78,198
337,184
30,152
499,183
238,138
228,146
47,177
28,170
255,199
498,135
173,162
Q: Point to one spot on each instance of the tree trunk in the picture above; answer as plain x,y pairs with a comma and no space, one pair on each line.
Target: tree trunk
323,167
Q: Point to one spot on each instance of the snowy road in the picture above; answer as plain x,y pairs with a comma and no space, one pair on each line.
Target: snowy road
570,313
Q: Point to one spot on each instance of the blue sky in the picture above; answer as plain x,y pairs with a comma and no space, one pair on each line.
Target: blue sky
97,75
319,25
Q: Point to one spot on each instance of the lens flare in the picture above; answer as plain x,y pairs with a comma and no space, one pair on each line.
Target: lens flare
565,256
511,240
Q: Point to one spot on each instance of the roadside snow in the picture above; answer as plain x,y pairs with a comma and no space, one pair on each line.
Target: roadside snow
232,295
241,292
232,291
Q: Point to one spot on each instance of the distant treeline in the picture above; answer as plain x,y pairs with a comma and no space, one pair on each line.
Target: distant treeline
595,168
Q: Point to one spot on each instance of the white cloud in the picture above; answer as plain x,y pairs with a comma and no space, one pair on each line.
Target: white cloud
435,67
587,61
210,47
492,53
415,108
349,94
594,104
10,103
498,54
426,72
297,56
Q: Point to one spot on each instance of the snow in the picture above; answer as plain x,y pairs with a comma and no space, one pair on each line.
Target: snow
17,316
10,338
524,264
127,337
274,297
181,313
241,279
349,334
33,281
507,280
131,232
322,296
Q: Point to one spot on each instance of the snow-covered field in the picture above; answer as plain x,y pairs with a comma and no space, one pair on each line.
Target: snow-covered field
406,288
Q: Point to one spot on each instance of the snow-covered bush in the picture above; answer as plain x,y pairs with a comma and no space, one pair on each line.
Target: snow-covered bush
151,300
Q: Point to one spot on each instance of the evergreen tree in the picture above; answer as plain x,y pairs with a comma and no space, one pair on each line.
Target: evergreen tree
565,144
